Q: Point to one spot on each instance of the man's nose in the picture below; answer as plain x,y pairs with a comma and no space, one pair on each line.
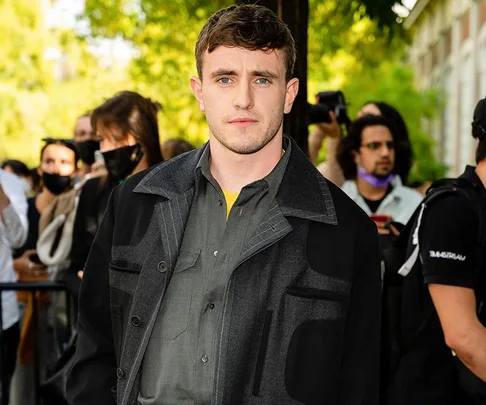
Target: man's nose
244,96
386,149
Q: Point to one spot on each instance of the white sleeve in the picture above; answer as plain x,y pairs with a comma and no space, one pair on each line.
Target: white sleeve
14,223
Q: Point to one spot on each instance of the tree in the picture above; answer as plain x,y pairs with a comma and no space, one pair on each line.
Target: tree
33,103
22,73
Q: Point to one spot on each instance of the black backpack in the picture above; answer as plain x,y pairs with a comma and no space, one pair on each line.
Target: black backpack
399,263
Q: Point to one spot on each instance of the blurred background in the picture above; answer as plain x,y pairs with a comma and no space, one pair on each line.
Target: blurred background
60,58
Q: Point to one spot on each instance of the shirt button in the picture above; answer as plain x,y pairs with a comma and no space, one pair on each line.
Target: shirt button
220,202
211,305
162,267
204,359
215,253
120,373
136,321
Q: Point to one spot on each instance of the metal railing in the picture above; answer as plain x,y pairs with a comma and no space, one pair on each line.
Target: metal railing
33,288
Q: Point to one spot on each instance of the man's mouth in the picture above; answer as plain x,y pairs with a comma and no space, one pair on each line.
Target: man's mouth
242,122
384,163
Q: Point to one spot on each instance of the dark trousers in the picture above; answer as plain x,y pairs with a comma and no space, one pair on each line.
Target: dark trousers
10,343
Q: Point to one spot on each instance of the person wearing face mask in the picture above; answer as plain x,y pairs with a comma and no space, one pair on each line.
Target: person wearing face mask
57,169
332,133
368,157
127,131
21,170
87,147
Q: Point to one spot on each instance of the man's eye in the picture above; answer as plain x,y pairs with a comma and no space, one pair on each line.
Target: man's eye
224,80
373,145
262,80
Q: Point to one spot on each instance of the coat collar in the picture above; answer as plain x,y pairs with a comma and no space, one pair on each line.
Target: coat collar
303,193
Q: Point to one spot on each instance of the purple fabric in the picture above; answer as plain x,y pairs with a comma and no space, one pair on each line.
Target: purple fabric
375,181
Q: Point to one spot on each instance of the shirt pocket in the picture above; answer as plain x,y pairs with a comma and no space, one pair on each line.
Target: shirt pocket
174,312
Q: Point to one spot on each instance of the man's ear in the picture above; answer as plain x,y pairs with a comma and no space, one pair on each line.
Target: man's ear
196,86
291,94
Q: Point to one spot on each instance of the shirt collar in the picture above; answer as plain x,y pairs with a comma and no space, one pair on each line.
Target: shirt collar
272,180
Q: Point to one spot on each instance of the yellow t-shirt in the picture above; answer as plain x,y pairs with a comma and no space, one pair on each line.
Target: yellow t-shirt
230,200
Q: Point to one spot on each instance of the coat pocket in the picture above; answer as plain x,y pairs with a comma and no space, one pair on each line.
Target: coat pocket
316,319
125,267
174,311
123,277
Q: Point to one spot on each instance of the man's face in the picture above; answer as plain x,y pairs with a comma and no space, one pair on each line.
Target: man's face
83,131
376,154
244,95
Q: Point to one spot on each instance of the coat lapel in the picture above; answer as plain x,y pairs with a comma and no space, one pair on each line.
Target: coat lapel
274,226
307,197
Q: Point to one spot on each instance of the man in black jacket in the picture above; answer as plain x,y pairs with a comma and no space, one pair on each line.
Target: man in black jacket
234,273
447,297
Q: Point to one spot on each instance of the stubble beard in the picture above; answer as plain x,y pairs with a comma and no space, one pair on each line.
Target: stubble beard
381,174
257,141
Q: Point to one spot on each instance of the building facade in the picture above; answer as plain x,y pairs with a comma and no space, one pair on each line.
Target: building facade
448,53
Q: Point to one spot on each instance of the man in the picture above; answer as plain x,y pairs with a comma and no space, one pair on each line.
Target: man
13,233
234,273
451,288
367,157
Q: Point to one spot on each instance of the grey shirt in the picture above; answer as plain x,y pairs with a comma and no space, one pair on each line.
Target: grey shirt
180,361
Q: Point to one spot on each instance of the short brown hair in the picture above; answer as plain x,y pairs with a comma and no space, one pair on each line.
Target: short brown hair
250,27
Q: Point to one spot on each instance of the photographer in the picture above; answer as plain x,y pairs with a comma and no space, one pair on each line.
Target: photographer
368,158
329,128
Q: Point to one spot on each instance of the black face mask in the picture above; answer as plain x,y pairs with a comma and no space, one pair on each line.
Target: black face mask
122,161
87,150
56,183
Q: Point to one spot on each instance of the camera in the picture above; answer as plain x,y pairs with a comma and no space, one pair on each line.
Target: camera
328,101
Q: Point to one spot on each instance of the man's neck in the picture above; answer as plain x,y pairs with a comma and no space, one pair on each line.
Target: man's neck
234,171
369,191
481,171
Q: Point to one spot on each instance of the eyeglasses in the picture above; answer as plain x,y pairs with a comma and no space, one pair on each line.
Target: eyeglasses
378,145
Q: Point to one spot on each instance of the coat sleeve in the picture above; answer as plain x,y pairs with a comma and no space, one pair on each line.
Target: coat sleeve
93,373
82,241
362,336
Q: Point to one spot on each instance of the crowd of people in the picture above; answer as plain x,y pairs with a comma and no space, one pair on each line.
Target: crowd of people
240,272
54,212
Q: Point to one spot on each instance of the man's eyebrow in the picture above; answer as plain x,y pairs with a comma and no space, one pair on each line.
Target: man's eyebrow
255,73
264,73
222,72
